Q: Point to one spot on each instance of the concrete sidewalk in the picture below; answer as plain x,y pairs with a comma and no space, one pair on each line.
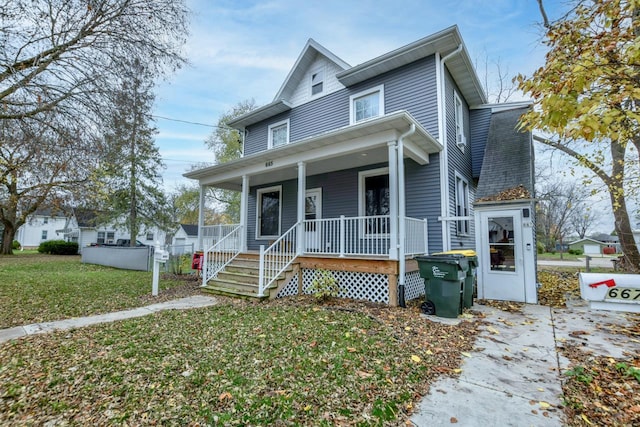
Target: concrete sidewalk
513,376
78,322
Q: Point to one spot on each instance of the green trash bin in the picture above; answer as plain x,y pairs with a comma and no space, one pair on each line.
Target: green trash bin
444,277
470,279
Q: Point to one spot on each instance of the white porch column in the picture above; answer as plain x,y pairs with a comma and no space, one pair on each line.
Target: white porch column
393,200
302,191
244,213
201,218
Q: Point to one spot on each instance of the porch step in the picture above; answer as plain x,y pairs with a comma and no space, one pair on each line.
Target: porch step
240,279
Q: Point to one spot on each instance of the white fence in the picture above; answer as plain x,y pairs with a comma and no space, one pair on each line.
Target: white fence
128,258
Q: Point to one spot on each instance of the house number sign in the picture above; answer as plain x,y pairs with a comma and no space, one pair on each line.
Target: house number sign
268,164
629,294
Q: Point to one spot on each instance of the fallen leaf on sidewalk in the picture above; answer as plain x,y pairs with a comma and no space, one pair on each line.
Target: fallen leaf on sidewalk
493,330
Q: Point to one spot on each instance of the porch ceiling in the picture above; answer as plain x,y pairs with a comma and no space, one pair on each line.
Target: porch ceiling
352,146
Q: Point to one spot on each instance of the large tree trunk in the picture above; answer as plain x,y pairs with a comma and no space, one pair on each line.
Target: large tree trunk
8,235
631,256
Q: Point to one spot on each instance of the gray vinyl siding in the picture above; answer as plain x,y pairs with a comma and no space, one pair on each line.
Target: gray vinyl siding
340,197
479,121
411,88
422,197
460,163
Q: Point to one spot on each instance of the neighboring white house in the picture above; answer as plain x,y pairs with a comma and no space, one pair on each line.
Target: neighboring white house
185,239
43,225
81,227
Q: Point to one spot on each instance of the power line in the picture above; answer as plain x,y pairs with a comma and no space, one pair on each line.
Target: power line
193,123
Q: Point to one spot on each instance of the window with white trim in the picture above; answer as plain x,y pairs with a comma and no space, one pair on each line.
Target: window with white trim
461,140
366,105
317,82
269,209
44,235
462,205
374,200
149,236
279,134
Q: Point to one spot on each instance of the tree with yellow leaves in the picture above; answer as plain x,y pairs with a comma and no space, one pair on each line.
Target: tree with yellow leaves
587,95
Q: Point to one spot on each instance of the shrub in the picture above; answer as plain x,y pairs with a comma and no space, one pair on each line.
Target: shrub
58,247
540,248
15,245
576,251
324,286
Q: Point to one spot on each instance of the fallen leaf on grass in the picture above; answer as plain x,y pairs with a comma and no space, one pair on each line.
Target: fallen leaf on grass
363,374
416,358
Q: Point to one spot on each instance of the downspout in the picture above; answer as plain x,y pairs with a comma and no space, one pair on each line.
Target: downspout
444,158
402,215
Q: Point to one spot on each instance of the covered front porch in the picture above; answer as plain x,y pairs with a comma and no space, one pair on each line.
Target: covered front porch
338,197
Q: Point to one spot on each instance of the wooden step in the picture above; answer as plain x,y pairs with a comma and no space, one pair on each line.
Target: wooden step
216,290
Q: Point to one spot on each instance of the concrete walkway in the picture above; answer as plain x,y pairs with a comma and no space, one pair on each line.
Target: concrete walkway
78,322
513,376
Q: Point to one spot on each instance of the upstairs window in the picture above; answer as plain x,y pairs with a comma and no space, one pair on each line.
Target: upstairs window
462,205
45,220
317,82
367,105
149,236
461,140
279,134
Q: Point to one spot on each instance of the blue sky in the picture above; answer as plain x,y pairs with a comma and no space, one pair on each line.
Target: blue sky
244,49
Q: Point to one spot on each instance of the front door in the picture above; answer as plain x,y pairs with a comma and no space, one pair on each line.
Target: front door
312,212
502,264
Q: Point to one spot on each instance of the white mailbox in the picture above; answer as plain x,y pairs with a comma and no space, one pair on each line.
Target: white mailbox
616,292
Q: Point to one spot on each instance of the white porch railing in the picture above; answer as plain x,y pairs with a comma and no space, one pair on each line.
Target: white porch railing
221,253
276,258
416,241
212,234
365,235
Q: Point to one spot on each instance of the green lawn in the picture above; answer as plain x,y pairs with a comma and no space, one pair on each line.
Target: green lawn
281,362
37,288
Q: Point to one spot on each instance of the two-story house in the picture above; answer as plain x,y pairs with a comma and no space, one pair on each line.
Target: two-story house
357,169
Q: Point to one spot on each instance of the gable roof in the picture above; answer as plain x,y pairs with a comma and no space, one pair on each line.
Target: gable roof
304,61
587,239
190,229
444,42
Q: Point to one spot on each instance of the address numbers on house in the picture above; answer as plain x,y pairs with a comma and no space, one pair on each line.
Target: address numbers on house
268,163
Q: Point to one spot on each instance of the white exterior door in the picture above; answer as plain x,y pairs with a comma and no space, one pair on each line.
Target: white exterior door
313,211
502,265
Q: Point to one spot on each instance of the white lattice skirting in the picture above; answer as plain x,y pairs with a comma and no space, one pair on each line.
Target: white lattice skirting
357,285
413,286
